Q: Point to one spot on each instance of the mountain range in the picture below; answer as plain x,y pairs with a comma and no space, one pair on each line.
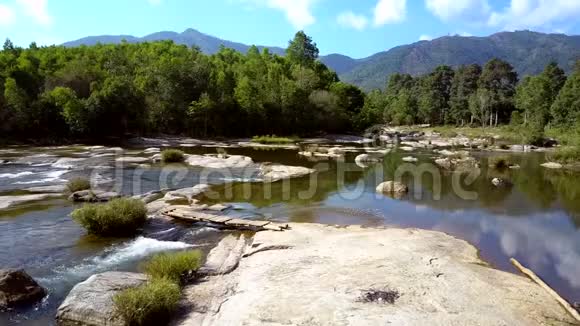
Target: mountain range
529,52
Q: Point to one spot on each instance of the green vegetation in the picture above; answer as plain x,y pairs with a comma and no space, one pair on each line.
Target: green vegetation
150,304
161,87
172,156
119,217
566,155
78,184
273,140
176,266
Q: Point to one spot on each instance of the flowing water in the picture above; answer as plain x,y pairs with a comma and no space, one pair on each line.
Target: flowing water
536,220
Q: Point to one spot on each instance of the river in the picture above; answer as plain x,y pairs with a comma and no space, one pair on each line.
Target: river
537,220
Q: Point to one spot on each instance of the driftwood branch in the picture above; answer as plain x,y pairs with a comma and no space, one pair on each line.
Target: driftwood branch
548,289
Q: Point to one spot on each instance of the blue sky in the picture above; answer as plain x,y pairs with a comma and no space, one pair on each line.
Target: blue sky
357,28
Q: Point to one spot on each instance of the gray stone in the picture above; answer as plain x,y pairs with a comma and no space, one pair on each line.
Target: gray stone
11,201
150,196
93,196
90,303
17,289
499,182
186,193
316,275
133,160
392,188
276,172
220,161
552,165
47,189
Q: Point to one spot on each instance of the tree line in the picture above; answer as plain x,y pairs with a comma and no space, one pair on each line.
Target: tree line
162,87
479,96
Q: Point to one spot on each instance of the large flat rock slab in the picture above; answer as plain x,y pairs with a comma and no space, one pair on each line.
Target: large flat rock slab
317,275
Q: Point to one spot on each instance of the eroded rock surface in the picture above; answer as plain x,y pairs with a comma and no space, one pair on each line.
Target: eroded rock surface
316,275
90,303
12,201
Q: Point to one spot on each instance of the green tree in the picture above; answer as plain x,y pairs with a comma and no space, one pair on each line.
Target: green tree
566,107
302,50
499,79
463,86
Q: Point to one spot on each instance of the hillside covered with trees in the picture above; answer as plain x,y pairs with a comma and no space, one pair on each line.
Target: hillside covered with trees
85,92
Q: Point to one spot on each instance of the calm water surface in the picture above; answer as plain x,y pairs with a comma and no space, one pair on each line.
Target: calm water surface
536,220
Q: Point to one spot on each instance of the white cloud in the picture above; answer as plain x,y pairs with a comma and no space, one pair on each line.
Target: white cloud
465,34
298,12
7,16
536,14
390,11
352,20
425,37
458,9
37,10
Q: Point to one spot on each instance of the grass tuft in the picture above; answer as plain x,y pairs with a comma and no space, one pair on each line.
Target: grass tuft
172,156
566,155
150,304
273,140
119,217
78,184
178,267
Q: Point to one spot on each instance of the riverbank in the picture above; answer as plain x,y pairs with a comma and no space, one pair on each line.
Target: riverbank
317,274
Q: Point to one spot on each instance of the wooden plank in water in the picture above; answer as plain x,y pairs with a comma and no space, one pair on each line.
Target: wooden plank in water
276,227
247,223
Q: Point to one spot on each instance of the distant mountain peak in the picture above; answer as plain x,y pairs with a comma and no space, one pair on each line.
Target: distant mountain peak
528,51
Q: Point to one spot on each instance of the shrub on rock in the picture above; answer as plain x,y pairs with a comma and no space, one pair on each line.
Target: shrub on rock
78,184
119,217
178,267
172,156
150,304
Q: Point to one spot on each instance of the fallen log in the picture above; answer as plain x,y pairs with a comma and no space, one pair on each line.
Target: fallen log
535,278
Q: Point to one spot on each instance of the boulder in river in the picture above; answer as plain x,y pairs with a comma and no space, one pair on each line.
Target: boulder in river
133,160
93,196
277,172
499,182
186,193
17,288
56,189
392,188
552,165
410,159
90,303
220,161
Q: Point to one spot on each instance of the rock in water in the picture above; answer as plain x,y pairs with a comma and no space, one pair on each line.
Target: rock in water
392,188
90,303
498,182
93,196
552,165
17,288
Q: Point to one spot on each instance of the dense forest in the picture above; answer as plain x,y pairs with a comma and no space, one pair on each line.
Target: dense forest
161,87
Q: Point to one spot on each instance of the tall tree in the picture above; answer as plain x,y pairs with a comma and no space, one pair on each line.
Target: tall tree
302,50
499,79
566,108
464,85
